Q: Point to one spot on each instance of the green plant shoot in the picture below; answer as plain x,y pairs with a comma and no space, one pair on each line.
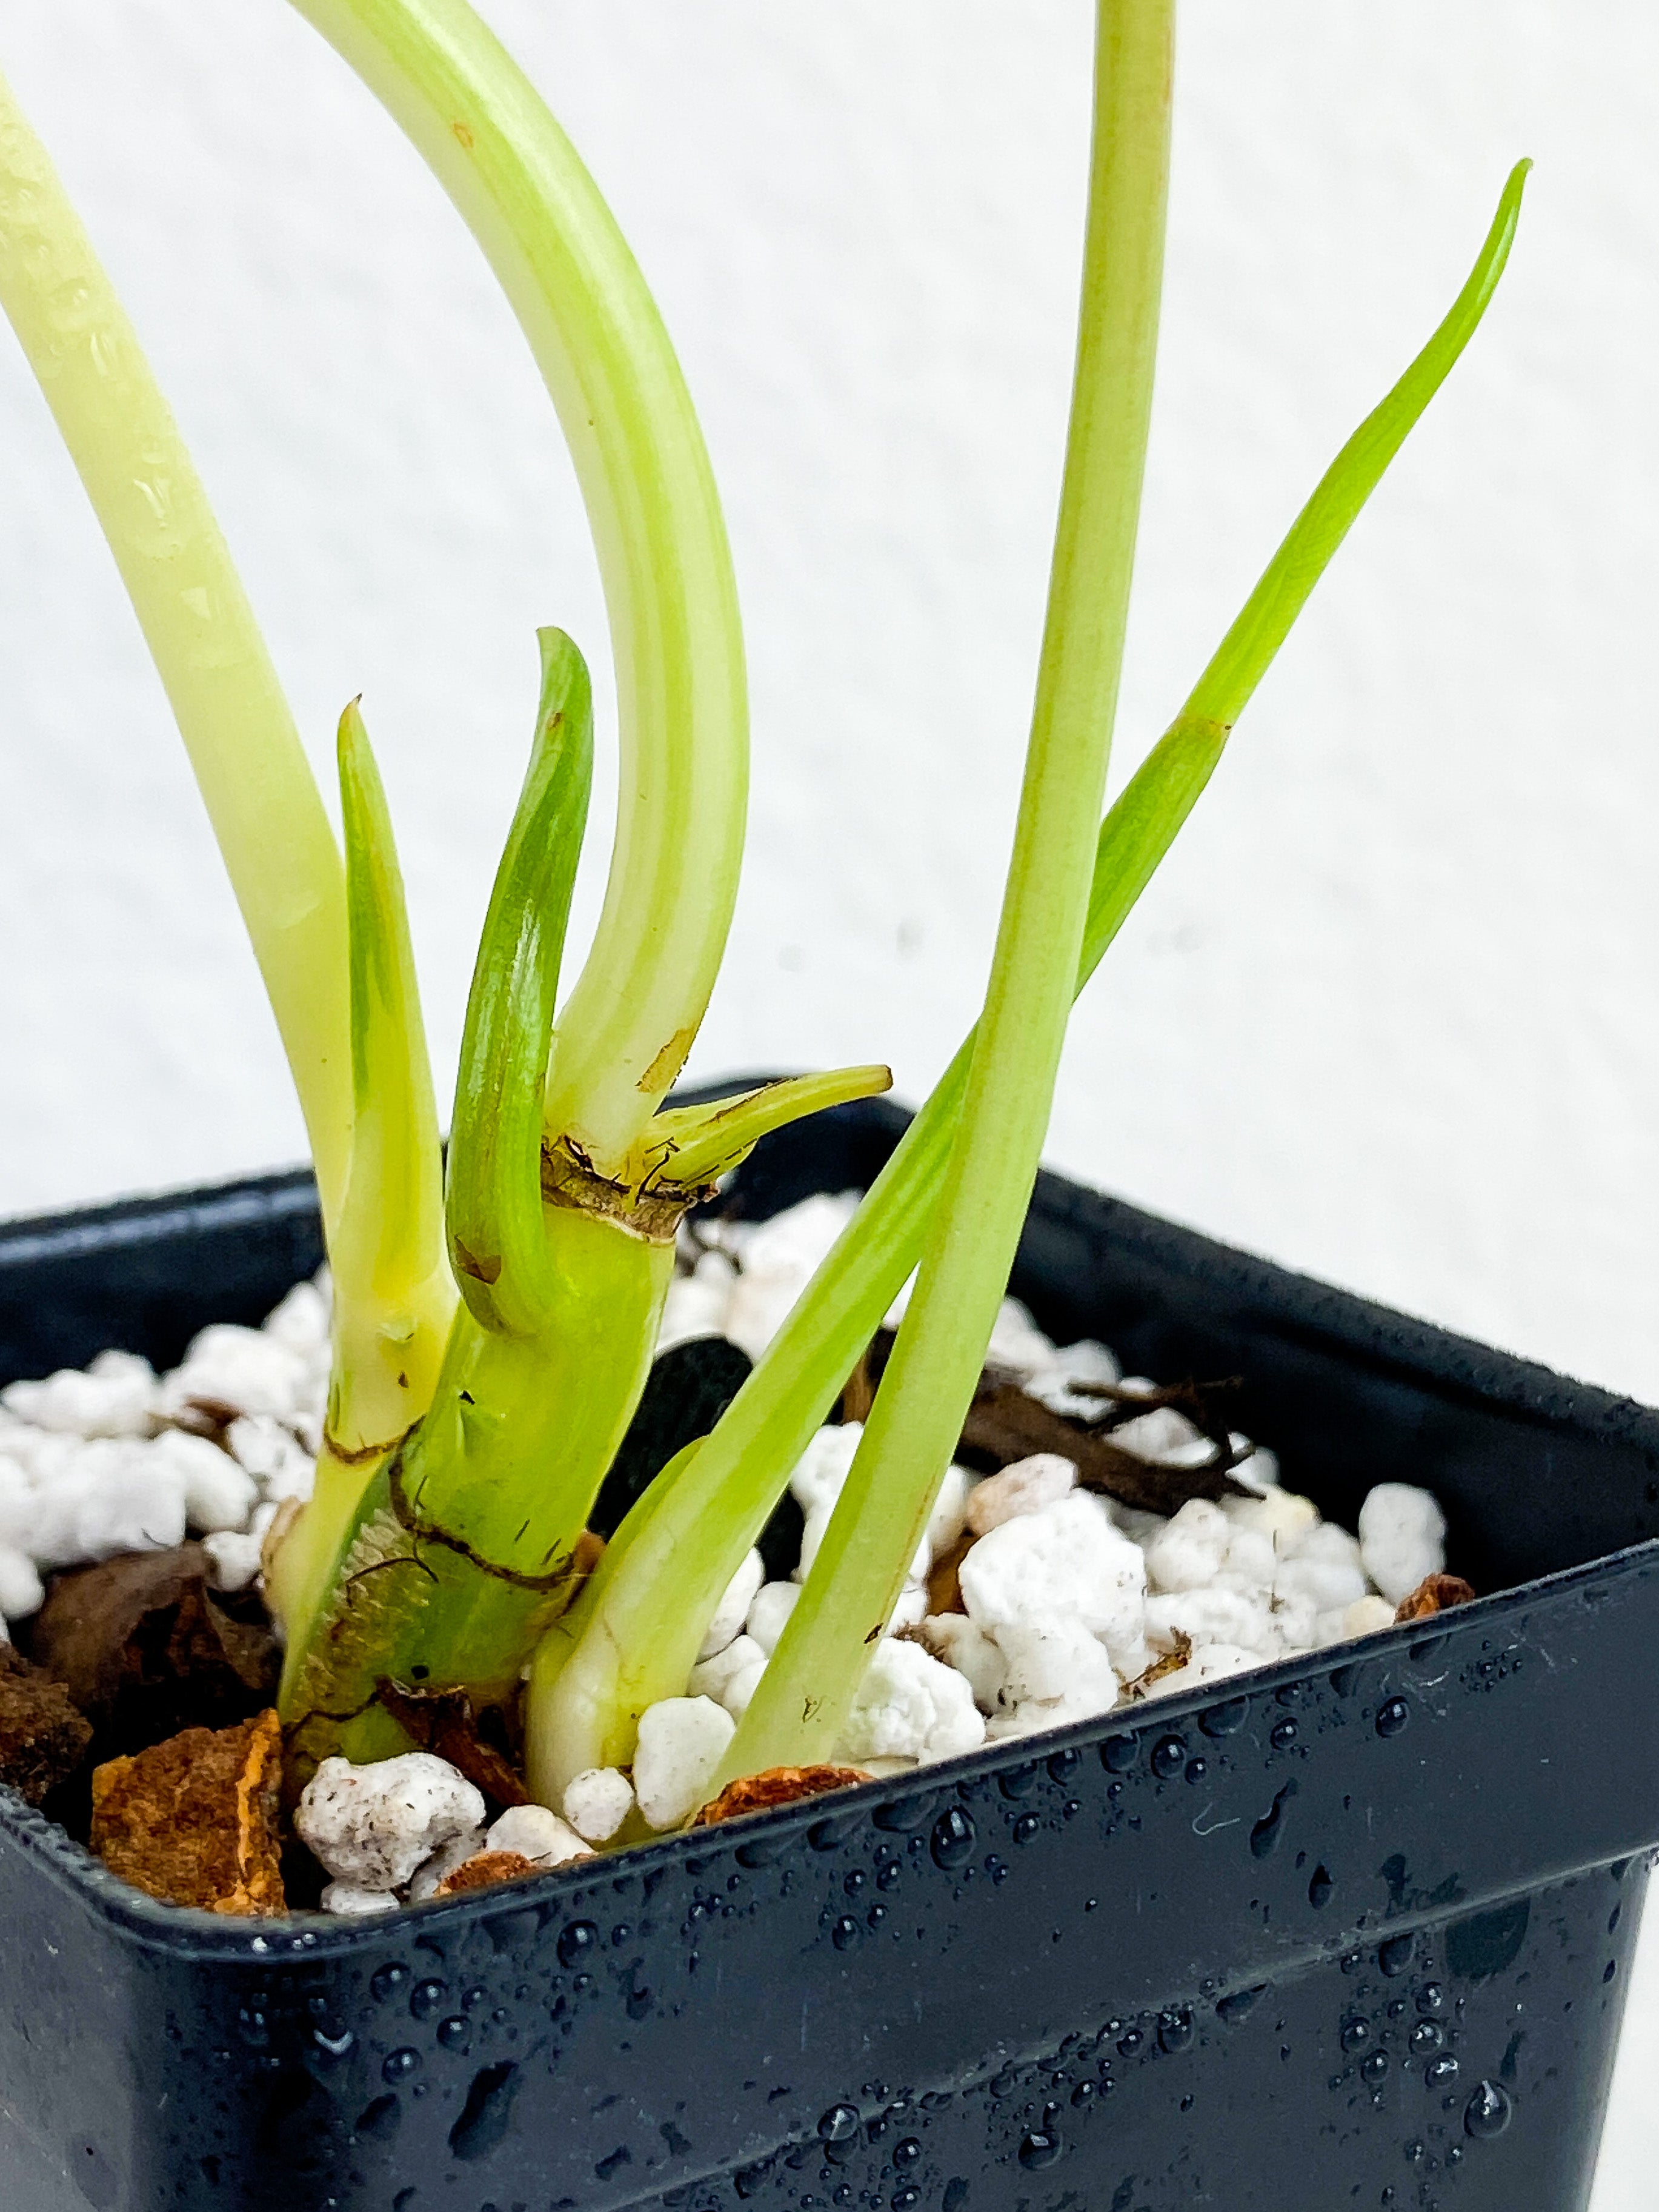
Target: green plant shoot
621,1648
261,796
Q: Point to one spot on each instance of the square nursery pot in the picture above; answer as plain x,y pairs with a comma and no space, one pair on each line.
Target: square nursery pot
1351,1933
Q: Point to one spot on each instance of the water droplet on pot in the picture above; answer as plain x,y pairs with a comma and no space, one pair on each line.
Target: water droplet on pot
454,2033
1040,2148
1240,2005
1284,1734
1168,1757
1488,2112
425,1999
1356,2035
1226,1720
1083,2092
1320,1889
576,1942
906,2200
1119,1753
331,2045
906,2152
1431,1998
1175,2031
1132,2044
1441,2070
1427,2035
839,2124
1063,1765
1197,1769
1026,1827
953,1840
844,1934
1396,1955
388,1981
400,2066
1393,1717
1375,2069
1264,1837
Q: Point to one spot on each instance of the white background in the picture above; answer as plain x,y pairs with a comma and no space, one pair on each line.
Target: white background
1389,1012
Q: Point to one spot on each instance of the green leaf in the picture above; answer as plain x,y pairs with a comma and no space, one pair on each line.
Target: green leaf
497,1236
699,1143
390,1234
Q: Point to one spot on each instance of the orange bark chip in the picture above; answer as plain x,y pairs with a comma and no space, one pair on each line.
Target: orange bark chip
778,1785
1439,1593
194,1820
485,1870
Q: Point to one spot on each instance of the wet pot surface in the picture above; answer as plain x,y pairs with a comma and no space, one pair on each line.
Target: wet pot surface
1352,1935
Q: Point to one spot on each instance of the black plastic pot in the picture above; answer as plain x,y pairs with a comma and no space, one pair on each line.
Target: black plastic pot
1351,1934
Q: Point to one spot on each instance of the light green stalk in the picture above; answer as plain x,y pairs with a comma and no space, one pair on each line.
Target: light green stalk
623,1647
1034,965
802,1705
261,796
394,1297
661,541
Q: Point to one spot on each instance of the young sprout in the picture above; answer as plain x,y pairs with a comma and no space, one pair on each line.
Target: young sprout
626,1645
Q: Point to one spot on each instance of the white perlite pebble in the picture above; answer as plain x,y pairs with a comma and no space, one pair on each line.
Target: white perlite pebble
432,1873
1250,1563
218,1493
596,1801
1188,1553
709,1677
1067,1559
1368,1616
372,1827
1280,1516
769,1616
1056,1384
1210,1616
1058,1660
301,1322
116,1402
733,1607
1402,1538
269,1451
779,1258
949,1515
233,1560
22,1592
962,1644
1025,1488
822,1468
1323,1567
339,1897
1057,1673
681,1743
240,1367
1210,1663
910,1706
741,1686
537,1834
1163,1437
104,1498
697,1304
